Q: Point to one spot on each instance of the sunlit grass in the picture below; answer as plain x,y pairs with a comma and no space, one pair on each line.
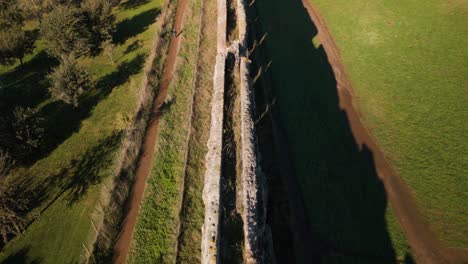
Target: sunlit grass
64,229
156,231
408,65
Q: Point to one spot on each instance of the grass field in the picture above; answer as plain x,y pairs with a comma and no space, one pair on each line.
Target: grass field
156,232
193,210
345,202
408,63
79,156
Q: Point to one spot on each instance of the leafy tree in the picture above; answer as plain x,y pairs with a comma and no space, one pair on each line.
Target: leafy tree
12,205
100,21
21,132
13,209
69,81
28,129
65,31
6,162
33,7
10,14
15,44
12,218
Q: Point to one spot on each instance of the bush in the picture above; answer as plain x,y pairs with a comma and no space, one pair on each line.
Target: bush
69,81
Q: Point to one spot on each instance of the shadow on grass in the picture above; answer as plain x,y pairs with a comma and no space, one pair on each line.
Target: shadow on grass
21,257
133,26
62,120
337,203
26,85
132,47
130,4
88,171
120,76
75,180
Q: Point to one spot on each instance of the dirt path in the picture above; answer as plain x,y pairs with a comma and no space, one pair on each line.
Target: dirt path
143,170
425,245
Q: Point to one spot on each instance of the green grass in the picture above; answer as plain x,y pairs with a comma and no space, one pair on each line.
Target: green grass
345,202
80,156
193,210
156,232
408,62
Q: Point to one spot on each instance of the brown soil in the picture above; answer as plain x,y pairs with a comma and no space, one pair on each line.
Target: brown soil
143,170
425,245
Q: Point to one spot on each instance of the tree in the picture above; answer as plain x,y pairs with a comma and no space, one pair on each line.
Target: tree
100,21
13,206
15,44
69,81
13,209
65,31
6,163
32,7
37,8
10,14
28,129
21,132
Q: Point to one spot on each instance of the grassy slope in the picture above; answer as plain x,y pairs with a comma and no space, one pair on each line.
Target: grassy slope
83,161
345,201
193,210
156,231
408,64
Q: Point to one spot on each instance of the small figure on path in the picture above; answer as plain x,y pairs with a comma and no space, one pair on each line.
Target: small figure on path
174,32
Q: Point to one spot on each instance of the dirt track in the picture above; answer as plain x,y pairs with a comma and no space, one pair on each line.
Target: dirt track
425,245
143,170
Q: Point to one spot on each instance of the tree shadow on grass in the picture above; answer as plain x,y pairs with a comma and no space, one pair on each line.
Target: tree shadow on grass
75,180
132,47
26,85
338,203
21,257
131,27
130,4
62,120
118,77
89,171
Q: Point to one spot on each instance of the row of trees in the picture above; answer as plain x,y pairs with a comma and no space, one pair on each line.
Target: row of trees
70,29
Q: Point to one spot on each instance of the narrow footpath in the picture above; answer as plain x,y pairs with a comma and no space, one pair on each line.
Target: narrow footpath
143,170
